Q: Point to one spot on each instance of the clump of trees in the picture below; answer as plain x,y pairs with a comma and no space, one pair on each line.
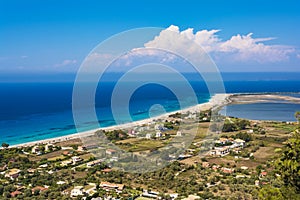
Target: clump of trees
235,125
116,135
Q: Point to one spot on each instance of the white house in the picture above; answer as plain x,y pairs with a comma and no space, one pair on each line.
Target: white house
220,151
148,136
179,133
35,149
77,191
239,143
250,131
76,159
47,147
150,194
158,134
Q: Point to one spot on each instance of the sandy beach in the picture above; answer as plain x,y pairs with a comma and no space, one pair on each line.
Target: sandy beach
215,101
262,98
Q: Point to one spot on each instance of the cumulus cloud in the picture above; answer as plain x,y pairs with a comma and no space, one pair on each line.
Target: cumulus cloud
237,48
65,63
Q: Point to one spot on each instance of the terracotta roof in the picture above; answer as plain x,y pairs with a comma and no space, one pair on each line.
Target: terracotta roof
40,188
264,173
15,193
106,170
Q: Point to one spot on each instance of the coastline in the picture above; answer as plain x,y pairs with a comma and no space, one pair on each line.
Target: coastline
216,100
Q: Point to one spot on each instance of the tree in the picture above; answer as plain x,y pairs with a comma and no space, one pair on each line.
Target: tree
5,145
1,189
228,127
289,162
270,193
242,124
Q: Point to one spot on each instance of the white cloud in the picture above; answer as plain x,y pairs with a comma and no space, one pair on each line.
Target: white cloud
298,56
66,63
237,48
24,57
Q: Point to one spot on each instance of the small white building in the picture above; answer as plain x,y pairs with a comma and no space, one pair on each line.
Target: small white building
47,147
148,136
250,131
158,134
77,191
239,143
179,133
76,159
35,149
150,194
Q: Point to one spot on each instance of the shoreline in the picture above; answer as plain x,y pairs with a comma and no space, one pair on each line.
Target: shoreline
216,100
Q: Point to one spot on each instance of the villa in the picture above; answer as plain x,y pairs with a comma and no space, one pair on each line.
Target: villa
220,151
112,186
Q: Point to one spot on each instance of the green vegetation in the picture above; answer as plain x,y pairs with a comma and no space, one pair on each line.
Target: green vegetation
116,135
266,167
234,124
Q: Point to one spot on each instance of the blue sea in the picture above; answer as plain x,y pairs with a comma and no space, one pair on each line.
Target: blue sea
37,108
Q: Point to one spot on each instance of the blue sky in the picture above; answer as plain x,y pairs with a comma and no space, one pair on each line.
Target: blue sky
55,36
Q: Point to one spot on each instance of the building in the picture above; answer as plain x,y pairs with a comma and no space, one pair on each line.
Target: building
222,141
239,143
110,152
81,148
112,186
35,150
13,173
250,131
220,151
77,191
66,162
48,147
15,193
179,133
192,197
39,189
150,194
76,159
60,182
94,163
148,136
227,170
263,174
158,134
